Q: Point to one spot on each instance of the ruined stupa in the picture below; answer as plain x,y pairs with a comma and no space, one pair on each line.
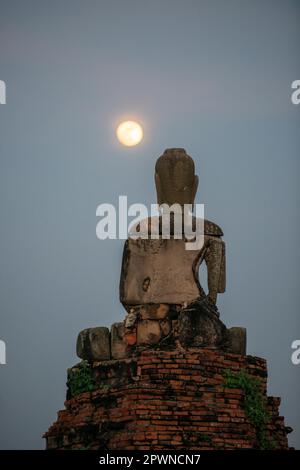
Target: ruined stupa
171,375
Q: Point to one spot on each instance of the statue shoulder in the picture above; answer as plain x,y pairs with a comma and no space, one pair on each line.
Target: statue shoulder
210,228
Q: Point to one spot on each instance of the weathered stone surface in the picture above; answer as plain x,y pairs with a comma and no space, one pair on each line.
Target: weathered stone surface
147,324
175,179
154,312
199,326
93,344
148,332
131,318
166,266
163,271
165,326
117,342
236,340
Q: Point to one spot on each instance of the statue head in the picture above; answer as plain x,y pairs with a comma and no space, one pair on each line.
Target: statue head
175,178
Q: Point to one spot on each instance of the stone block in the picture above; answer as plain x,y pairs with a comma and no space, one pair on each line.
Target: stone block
154,311
93,344
117,344
165,326
237,340
148,332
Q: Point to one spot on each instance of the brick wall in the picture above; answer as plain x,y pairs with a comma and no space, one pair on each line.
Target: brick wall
166,400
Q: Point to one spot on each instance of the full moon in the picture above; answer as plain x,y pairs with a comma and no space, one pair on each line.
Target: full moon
129,133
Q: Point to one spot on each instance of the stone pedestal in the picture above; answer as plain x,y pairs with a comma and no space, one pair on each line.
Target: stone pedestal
156,325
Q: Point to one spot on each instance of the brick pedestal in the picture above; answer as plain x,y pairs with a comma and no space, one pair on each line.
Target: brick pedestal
159,399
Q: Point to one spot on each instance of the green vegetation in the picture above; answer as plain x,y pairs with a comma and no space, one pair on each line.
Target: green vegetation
255,404
80,379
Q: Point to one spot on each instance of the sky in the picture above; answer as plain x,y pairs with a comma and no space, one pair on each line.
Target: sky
210,76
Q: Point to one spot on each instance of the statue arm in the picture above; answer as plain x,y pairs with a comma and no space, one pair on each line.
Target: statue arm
215,262
222,280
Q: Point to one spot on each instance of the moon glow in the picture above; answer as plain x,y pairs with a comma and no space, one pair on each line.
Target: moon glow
129,133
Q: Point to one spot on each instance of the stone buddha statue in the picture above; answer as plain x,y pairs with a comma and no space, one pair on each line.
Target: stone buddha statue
159,286
163,270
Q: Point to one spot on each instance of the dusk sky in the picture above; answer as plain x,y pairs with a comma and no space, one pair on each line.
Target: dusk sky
210,76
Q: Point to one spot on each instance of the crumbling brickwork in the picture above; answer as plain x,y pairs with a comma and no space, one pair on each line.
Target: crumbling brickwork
178,399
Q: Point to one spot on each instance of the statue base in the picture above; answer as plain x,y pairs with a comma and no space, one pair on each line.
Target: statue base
182,398
161,326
